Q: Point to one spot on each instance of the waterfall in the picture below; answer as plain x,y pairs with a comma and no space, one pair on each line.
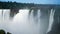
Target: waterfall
0,15
4,18
51,19
23,22
23,25
6,14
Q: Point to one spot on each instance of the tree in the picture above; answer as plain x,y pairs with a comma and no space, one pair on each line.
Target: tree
8,33
2,32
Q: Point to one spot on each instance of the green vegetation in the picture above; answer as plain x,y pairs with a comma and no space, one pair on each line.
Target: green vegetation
3,32
12,5
15,5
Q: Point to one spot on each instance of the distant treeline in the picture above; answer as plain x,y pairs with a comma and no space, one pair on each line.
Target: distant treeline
12,5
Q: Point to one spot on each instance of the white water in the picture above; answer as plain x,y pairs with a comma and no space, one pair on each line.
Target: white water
4,19
20,24
51,19
0,15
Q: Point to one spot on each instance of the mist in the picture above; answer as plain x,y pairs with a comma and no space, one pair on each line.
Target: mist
25,22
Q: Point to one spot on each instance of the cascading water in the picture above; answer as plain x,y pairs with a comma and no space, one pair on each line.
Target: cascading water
23,25
0,15
23,22
4,18
51,19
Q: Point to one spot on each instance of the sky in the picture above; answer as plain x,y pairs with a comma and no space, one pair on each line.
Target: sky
36,1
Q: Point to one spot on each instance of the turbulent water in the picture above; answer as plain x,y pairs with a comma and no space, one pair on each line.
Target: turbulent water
23,22
4,19
51,19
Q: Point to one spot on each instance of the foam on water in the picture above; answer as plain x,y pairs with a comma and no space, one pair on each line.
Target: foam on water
22,22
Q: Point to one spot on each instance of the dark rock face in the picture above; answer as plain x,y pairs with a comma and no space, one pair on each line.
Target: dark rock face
13,11
56,23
